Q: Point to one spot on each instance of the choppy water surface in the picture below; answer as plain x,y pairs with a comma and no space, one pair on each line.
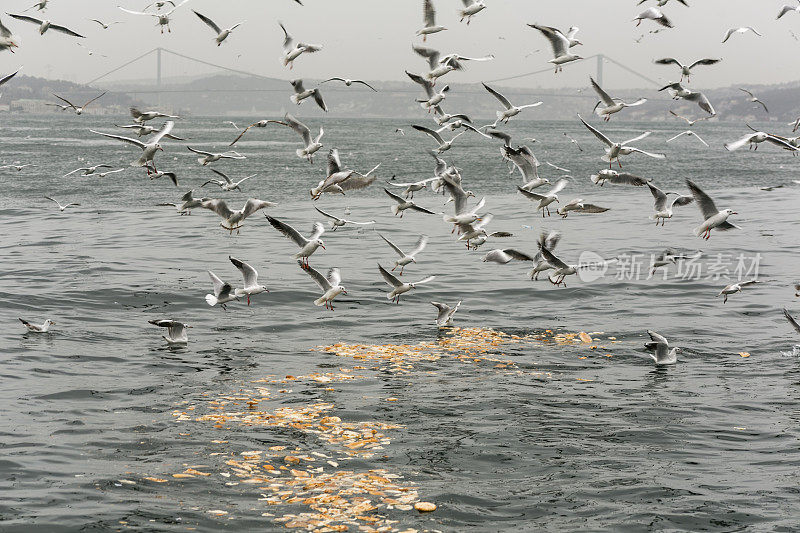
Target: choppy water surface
285,414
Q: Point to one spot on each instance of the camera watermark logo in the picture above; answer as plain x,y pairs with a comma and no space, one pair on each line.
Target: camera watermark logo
593,266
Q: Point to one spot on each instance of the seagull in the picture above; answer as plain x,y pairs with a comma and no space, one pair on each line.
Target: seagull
560,269
471,8
40,5
690,133
788,9
223,292
429,19
511,110
107,172
155,174
250,275
225,183
312,145
441,65
662,207
45,25
79,110
189,203
546,240
434,98
714,218
18,168
689,122
143,129
61,207
579,206
339,180
686,70
617,178
445,316
300,94
176,331
162,18
668,257
614,150
211,157
400,288
159,5
349,82
292,51
6,79
758,137
443,145
734,288
307,245
259,124
739,30
561,44
679,91
330,284
232,123
341,222
7,39
505,256
413,187
33,328
791,320
103,24
235,219
443,118
149,149
545,199
661,353
478,236
661,3
655,15
403,204
573,141
142,117
222,34
612,105
406,258
87,171
526,162
755,100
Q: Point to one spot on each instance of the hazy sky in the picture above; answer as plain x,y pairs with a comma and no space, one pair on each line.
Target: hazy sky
371,39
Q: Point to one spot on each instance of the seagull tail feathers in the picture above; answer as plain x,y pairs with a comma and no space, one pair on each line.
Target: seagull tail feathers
211,300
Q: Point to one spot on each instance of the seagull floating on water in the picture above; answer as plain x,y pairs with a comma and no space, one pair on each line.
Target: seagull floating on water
661,353
34,328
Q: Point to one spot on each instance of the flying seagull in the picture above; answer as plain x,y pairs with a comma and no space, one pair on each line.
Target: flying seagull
663,207
330,284
142,117
686,70
162,18
511,110
259,124
292,51
734,288
61,207
402,205
714,218
222,34
679,91
398,287
655,15
689,133
739,30
235,219
337,222
429,19
406,258
560,44
250,277
211,157
176,331
471,8
444,318
301,93
615,150
339,179
45,25
348,82
225,183
754,99
610,105
223,292
308,245
79,109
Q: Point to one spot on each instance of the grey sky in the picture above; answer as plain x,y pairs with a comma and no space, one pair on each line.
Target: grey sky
371,39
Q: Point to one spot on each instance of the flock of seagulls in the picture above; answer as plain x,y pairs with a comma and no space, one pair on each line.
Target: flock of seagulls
468,220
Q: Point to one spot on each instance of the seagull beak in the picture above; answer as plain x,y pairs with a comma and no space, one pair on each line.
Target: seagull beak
345,292
187,326
734,213
323,246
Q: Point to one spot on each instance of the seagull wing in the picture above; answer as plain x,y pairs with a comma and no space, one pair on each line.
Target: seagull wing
64,29
318,278
558,40
421,243
221,175
390,279
219,285
138,12
604,96
334,163
135,142
92,100
668,61
25,18
393,246
217,206
428,86
428,53
300,128
552,259
735,145
323,213
703,200
648,154
597,133
288,231
164,131
559,186
432,133
791,320
502,99
704,62
249,273
659,196
517,255
201,152
316,231
208,21
253,204
530,195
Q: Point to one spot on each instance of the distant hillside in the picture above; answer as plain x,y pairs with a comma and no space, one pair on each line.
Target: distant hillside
260,97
